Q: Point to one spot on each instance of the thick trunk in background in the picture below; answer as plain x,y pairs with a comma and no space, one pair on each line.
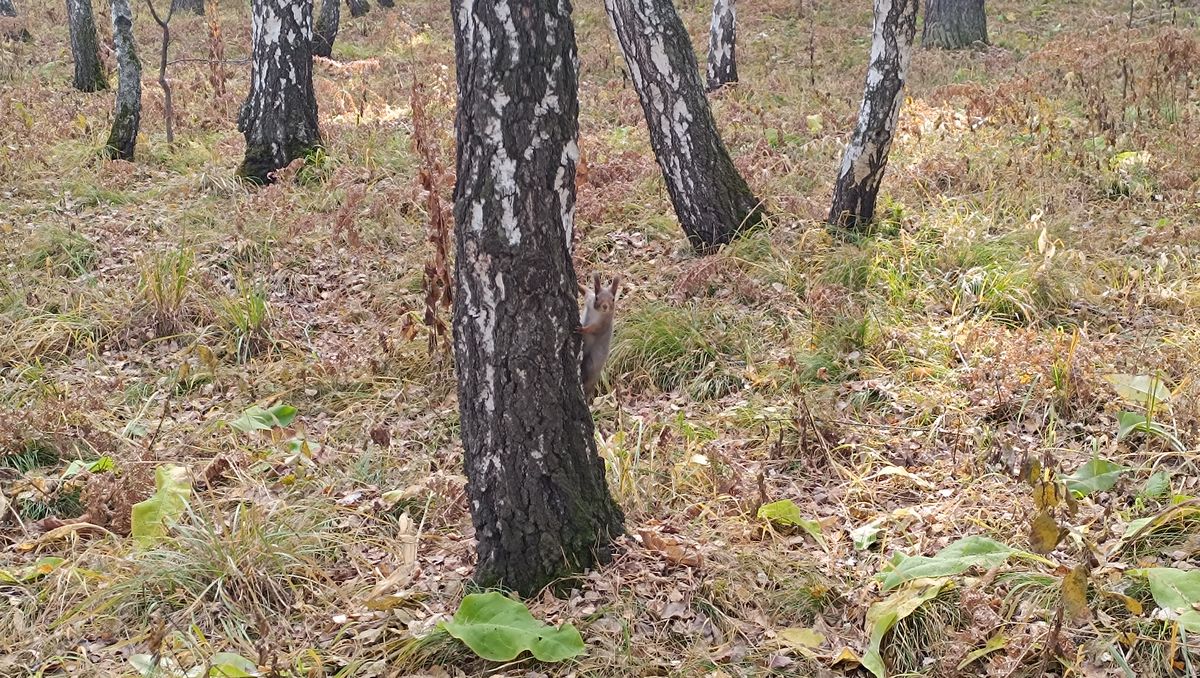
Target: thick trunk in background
127,113
89,73
722,45
954,24
279,118
387,3
193,6
857,186
358,7
7,8
711,198
9,27
538,497
327,28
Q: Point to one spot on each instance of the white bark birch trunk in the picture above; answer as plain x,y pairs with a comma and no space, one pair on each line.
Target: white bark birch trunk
127,112
722,45
89,72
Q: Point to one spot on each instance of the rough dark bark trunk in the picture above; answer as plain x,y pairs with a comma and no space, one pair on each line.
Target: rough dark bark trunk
358,7
863,164
127,112
954,24
89,73
279,118
722,45
539,500
327,28
387,3
11,30
194,6
7,8
711,198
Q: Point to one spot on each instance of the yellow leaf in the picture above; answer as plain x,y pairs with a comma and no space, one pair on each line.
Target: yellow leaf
1074,593
846,656
994,643
1132,604
802,640
1044,533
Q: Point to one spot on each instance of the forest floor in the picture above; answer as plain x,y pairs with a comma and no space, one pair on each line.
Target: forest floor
937,380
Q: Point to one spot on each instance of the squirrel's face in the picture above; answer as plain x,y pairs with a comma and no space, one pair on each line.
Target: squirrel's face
603,304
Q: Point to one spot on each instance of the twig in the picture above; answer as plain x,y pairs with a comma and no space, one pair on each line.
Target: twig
191,60
168,108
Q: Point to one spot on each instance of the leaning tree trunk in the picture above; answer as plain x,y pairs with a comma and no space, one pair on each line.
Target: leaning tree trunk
279,118
711,198
538,497
327,28
195,6
89,73
127,113
722,45
857,186
954,24
358,7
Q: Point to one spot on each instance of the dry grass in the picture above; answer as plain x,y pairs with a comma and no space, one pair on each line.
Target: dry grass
1039,231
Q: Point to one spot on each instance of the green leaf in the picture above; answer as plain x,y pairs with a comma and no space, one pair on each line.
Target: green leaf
1133,422
1143,389
866,535
41,568
785,512
882,616
956,558
152,517
79,466
258,419
994,643
231,665
1095,476
1157,485
1176,590
499,629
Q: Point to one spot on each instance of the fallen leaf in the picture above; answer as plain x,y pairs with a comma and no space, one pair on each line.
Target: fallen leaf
1044,533
802,640
673,551
1074,593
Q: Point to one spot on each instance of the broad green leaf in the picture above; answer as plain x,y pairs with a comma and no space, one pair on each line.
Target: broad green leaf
258,419
1095,476
1176,590
41,568
152,517
882,616
1132,422
1135,525
79,466
166,667
499,629
1143,389
956,558
994,643
866,535
1157,485
785,512
231,665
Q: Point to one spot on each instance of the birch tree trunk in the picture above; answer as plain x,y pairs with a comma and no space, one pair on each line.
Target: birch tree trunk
89,73
722,45
327,28
954,24
11,30
127,112
710,197
7,8
279,118
358,7
539,501
194,6
865,159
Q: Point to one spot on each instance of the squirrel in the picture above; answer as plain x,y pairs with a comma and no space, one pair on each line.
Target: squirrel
596,326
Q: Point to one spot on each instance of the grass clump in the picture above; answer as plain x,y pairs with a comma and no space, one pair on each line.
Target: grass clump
246,318
61,251
165,282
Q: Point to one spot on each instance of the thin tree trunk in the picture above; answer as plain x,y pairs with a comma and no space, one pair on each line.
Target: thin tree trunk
279,118
9,26
711,198
539,501
195,6
127,113
168,101
863,164
358,7
327,28
89,73
954,24
722,45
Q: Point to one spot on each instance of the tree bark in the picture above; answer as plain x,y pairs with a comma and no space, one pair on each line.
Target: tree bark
539,501
710,197
279,118
387,3
195,6
12,30
722,45
7,8
358,7
89,73
327,28
954,24
127,112
865,159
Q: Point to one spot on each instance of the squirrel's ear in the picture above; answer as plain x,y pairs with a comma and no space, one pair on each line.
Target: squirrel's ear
616,282
596,281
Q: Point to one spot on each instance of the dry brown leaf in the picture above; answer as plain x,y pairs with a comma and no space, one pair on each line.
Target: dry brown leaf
1074,593
1044,533
673,551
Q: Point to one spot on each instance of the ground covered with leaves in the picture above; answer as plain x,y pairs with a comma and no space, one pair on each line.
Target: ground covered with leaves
964,444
